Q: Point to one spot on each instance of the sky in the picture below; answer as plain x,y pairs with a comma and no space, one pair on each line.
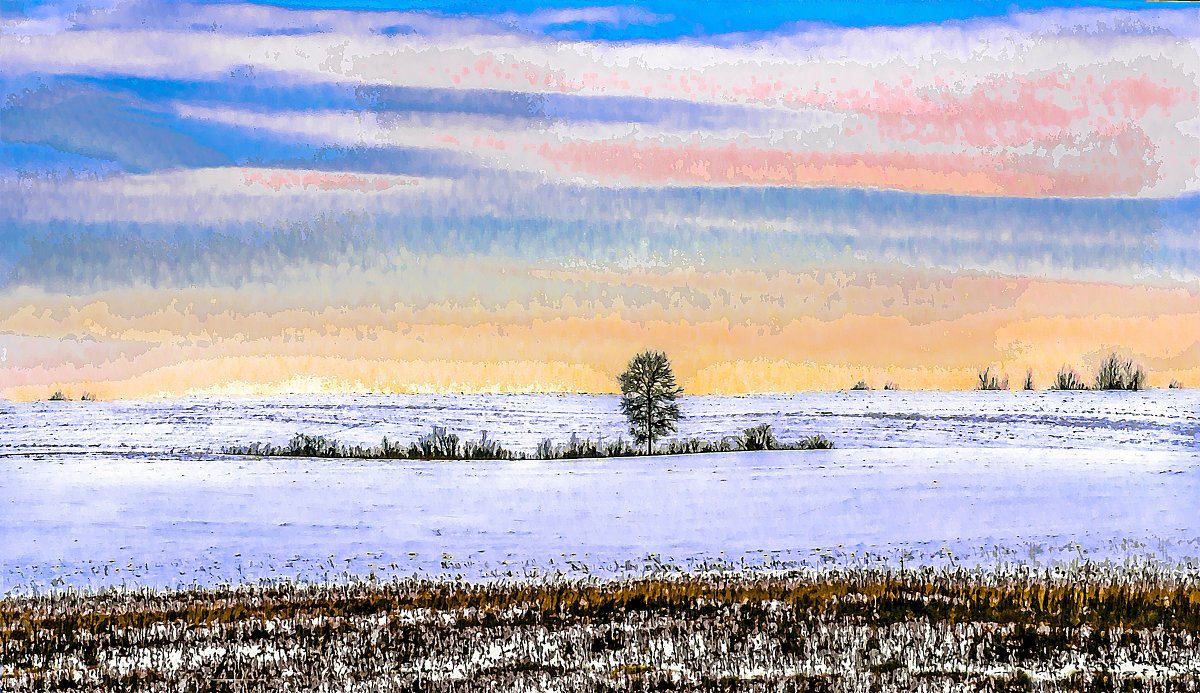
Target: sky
218,198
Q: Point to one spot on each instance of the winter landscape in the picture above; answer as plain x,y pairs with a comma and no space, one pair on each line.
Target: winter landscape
911,556
99,494
374,346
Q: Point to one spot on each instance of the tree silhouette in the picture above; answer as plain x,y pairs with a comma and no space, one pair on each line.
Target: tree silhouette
648,393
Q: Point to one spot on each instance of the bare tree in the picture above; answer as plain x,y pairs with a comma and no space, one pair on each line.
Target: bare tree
648,393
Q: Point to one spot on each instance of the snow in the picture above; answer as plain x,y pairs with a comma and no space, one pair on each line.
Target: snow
97,494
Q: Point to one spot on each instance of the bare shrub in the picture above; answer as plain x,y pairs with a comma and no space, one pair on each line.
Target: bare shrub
759,437
485,449
813,442
988,380
1116,373
1068,379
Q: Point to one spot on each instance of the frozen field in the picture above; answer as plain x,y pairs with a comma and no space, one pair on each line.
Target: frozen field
1152,420
95,494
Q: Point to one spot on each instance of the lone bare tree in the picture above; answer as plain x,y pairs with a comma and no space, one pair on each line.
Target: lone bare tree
648,393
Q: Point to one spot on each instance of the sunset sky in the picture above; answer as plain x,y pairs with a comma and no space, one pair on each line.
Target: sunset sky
443,195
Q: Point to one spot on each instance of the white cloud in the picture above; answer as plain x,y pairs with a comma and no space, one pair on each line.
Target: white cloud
223,195
1062,81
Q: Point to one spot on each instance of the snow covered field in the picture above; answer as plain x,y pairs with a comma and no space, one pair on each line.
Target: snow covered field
95,494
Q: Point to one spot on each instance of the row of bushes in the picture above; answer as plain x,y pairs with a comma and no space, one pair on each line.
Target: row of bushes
1120,374
440,444
443,445
1115,373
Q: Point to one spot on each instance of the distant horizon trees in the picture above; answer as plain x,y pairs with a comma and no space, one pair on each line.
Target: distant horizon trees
1114,373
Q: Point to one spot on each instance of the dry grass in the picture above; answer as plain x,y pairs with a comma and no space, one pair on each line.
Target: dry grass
855,630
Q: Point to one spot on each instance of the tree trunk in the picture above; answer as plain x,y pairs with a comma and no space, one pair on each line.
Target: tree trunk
649,418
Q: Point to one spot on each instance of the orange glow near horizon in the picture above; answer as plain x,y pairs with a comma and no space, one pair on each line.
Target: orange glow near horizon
726,333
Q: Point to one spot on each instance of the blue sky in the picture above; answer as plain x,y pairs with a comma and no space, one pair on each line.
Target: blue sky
681,18
779,192
144,114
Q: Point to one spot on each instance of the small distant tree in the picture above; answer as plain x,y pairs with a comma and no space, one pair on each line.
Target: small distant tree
648,394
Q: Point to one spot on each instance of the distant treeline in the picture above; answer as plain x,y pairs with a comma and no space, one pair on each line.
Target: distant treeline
1115,373
443,445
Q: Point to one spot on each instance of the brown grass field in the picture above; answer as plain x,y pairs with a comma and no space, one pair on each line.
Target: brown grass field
1088,628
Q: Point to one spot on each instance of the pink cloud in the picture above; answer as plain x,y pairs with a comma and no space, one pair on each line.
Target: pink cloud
656,163
1026,107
